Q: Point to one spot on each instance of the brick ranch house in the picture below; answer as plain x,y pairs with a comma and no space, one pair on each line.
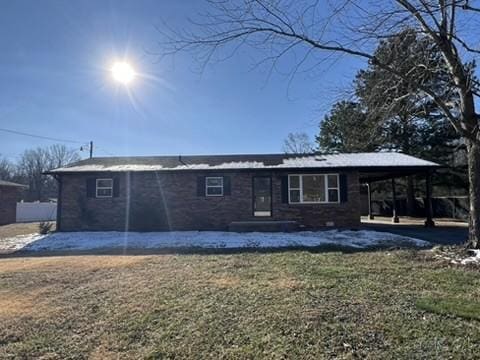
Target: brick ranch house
8,201
221,192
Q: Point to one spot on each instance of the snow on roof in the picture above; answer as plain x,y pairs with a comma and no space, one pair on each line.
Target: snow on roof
233,162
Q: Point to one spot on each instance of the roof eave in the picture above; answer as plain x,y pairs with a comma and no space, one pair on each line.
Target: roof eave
296,168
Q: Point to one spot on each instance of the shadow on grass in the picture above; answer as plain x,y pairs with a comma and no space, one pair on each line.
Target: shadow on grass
131,251
451,307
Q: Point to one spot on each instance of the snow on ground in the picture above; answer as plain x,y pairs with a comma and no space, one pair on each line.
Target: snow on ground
473,259
457,256
18,242
206,239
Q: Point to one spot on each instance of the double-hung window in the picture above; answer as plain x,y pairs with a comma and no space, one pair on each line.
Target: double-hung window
104,188
214,186
313,189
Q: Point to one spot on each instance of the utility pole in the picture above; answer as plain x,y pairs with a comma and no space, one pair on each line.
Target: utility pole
91,149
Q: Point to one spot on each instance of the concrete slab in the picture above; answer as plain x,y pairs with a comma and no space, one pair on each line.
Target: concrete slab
446,231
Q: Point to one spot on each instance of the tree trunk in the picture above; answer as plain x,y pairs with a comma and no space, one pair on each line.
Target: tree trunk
474,192
410,197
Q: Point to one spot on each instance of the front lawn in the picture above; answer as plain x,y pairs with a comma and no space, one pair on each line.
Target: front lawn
292,304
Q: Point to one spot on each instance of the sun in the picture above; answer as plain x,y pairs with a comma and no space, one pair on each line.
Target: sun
123,72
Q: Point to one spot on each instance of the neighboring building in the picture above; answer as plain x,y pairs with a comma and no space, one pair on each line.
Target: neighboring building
8,201
221,192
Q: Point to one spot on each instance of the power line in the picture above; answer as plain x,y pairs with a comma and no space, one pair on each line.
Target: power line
41,137
85,144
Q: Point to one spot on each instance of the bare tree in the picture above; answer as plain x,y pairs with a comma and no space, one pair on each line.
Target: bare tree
59,155
7,170
34,162
298,143
317,30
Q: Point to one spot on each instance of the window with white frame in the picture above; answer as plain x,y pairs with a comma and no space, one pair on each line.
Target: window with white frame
104,188
312,189
214,186
333,188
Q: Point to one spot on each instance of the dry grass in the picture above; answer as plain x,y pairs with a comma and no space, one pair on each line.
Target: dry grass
14,305
283,305
11,230
79,263
226,281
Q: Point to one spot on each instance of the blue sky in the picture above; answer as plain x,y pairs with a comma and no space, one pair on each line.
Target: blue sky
55,81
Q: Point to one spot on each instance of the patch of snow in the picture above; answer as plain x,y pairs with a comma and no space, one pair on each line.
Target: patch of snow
356,160
103,167
207,239
19,242
458,257
159,167
308,161
474,259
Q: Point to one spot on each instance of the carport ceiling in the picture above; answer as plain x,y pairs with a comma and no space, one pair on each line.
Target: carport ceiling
369,175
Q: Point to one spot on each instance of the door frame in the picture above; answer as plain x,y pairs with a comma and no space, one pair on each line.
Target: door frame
253,195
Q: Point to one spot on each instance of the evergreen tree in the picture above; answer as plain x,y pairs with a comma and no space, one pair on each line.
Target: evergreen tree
410,120
391,115
348,129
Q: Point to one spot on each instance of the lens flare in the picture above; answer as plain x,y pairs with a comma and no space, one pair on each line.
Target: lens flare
123,72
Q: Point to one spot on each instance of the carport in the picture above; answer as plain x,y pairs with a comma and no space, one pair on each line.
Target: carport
369,175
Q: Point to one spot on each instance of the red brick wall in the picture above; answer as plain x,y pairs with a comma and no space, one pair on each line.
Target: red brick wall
169,201
8,204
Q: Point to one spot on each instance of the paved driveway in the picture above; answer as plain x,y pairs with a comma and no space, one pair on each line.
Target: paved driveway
444,233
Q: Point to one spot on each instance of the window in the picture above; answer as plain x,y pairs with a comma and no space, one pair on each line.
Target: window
214,186
311,189
332,188
104,188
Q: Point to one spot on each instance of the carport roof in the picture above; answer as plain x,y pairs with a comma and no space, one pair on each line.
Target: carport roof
12,184
364,162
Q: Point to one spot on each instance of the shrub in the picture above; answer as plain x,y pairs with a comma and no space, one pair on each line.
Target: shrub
45,227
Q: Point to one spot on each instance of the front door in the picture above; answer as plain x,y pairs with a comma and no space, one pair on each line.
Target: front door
262,196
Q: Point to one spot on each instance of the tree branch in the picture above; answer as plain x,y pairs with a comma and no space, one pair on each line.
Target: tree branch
280,33
465,45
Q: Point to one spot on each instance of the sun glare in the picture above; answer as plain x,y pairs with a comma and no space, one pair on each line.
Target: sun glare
123,72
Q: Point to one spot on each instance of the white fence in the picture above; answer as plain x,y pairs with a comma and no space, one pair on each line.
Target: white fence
36,211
